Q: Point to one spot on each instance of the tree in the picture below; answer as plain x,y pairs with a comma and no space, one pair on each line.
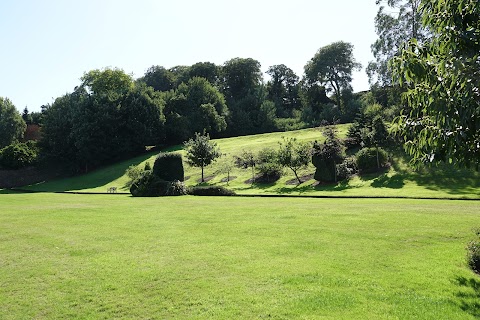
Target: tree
206,70
241,77
196,106
332,66
107,81
201,152
247,159
283,89
106,118
294,155
441,77
159,78
26,116
12,126
326,155
394,28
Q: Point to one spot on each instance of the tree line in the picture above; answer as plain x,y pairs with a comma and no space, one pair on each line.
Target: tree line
110,115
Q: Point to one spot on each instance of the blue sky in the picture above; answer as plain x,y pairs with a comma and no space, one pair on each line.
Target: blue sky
47,45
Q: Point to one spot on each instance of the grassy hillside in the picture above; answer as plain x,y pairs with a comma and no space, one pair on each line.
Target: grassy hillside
118,257
398,181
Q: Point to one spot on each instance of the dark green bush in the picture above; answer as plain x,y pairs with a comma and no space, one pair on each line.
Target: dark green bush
473,253
210,191
149,185
169,167
367,159
19,155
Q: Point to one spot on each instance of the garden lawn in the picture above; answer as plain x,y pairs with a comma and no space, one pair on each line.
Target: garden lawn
114,256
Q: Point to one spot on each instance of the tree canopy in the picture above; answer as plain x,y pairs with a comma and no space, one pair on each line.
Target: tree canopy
332,66
396,22
442,79
12,126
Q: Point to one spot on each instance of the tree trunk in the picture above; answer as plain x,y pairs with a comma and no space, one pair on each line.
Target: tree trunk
203,180
296,175
378,160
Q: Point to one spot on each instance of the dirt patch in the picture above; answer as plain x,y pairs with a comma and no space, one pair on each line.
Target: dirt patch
304,178
206,179
227,179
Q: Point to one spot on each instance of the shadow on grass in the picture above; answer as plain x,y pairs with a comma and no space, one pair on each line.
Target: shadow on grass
441,177
100,177
94,179
384,181
469,295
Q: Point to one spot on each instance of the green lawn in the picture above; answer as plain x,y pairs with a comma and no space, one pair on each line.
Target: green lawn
398,181
114,256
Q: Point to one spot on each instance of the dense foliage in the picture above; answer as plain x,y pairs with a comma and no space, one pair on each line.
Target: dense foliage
169,166
18,155
441,77
12,126
370,159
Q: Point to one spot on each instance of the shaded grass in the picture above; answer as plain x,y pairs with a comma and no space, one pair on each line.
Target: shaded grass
103,257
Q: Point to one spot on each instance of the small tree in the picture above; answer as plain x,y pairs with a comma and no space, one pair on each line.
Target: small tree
326,156
201,151
225,167
247,160
294,155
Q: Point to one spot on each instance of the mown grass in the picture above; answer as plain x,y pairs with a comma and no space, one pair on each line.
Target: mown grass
398,181
106,256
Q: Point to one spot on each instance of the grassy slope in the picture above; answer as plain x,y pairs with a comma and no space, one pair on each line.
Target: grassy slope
104,257
398,181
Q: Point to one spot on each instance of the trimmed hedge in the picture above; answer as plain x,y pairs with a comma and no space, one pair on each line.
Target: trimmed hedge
169,167
210,191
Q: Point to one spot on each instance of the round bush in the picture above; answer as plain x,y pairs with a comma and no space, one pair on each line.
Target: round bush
367,159
169,167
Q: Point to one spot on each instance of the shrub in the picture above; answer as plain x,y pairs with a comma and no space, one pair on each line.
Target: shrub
149,185
133,173
176,188
367,159
19,155
169,167
268,167
210,191
346,169
473,253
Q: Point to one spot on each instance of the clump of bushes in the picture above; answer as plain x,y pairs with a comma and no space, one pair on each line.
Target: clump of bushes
19,155
346,169
169,166
210,191
268,167
371,159
165,179
473,253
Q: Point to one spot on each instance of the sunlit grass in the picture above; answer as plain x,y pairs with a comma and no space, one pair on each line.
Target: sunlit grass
107,256
399,180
